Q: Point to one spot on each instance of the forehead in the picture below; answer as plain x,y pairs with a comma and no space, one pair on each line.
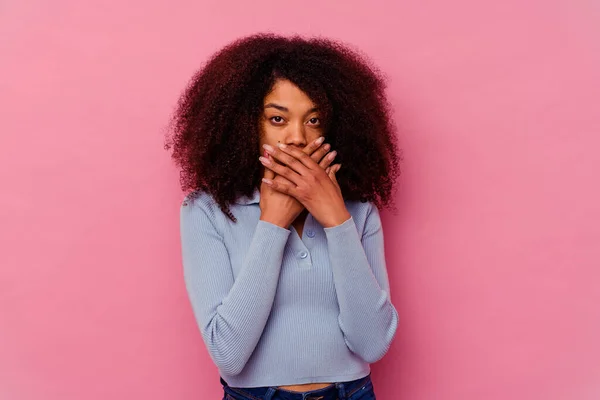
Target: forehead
286,94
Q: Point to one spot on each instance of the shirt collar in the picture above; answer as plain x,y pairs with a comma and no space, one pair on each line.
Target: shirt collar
254,199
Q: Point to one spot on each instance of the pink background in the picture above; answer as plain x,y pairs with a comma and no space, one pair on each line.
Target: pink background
493,255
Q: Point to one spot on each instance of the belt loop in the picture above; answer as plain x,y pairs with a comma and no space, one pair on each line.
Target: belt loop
270,393
341,390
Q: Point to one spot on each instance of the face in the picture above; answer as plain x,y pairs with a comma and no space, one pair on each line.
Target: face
289,116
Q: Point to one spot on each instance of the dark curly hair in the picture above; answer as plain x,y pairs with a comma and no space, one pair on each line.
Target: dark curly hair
214,130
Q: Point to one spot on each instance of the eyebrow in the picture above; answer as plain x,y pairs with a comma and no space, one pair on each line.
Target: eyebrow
282,108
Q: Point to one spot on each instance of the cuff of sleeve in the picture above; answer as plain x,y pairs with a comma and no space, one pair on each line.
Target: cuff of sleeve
341,228
272,229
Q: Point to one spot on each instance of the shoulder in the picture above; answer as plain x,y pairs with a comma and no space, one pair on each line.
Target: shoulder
199,212
361,210
197,198
365,215
199,201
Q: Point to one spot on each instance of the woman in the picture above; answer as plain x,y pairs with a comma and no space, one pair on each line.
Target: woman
282,249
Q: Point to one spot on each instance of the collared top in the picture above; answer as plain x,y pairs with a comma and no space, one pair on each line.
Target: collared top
276,308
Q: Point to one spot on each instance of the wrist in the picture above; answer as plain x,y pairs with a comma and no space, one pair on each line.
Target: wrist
337,219
275,221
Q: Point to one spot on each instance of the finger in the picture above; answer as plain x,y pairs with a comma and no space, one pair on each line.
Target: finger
282,170
320,152
332,171
280,178
317,150
293,157
328,159
316,144
282,187
268,173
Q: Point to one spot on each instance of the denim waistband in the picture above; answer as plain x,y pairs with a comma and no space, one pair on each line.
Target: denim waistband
337,390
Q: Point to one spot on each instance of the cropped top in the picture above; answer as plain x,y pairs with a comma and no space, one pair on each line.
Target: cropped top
274,308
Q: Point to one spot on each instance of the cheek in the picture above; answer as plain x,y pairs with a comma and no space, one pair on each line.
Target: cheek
314,135
269,136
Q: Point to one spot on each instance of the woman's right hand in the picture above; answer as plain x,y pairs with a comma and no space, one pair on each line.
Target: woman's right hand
282,209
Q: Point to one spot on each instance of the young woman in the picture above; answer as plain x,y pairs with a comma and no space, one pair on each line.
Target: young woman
282,247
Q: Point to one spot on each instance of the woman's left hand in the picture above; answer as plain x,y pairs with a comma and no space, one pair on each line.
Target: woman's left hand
312,186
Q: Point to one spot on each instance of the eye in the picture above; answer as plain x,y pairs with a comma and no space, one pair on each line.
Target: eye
280,120
314,121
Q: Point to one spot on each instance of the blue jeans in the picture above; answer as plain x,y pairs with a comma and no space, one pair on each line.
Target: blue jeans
358,389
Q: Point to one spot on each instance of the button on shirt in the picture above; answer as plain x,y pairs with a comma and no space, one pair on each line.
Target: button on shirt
278,308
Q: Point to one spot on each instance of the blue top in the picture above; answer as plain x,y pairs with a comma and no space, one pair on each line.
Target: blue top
278,309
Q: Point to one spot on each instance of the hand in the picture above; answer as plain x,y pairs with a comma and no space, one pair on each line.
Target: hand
312,186
287,208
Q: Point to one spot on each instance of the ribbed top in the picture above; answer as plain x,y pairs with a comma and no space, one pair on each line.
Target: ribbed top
278,309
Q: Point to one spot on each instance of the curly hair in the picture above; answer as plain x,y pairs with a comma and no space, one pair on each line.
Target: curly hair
214,130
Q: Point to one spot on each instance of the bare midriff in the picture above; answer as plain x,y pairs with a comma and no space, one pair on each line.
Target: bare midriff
305,387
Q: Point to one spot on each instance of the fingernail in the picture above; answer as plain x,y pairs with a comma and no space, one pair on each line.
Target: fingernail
268,148
332,155
281,145
320,140
264,161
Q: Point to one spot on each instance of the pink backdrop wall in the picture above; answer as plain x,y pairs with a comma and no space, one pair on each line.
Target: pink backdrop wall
494,253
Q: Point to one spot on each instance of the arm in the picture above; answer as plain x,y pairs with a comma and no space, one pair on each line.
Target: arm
231,314
367,317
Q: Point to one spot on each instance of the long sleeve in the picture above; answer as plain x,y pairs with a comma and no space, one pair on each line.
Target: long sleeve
367,317
231,314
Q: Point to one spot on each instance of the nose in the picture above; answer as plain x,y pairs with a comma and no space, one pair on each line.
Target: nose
296,135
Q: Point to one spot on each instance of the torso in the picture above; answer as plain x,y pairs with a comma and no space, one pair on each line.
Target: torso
298,225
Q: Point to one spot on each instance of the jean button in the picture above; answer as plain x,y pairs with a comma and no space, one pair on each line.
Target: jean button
303,254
